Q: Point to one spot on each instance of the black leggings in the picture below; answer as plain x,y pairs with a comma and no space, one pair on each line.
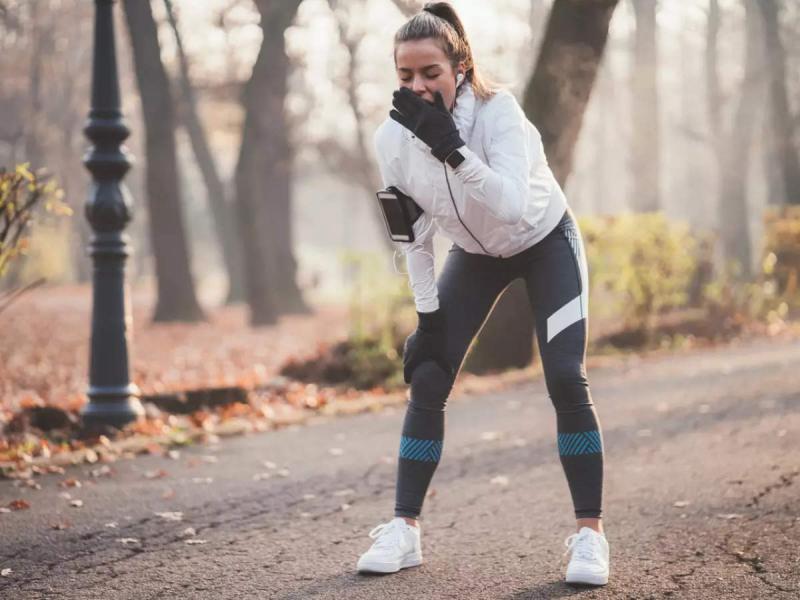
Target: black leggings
556,278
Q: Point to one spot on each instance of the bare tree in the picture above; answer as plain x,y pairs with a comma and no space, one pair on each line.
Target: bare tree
176,296
354,160
782,126
408,7
733,149
263,175
222,211
645,157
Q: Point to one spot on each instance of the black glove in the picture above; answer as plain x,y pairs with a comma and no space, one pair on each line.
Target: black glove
432,123
426,343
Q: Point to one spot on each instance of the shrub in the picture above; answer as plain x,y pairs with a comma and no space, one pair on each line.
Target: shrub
639,266
22,193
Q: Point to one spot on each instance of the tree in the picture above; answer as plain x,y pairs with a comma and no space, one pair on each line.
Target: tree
222,211
555,101
263,175
781,117
176,296
732,150
645,149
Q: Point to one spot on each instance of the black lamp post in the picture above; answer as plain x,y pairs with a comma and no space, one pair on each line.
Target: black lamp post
113,399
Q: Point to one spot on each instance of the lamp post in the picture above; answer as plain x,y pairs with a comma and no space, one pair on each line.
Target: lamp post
113,399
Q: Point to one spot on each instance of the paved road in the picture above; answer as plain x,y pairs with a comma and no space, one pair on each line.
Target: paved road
718,430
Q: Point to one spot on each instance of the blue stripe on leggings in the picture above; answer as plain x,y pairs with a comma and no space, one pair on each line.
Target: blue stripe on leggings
417,449
583,442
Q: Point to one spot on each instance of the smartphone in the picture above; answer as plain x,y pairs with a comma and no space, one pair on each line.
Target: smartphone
400,212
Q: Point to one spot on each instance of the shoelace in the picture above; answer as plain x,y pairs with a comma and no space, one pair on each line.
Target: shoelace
583,546
382,534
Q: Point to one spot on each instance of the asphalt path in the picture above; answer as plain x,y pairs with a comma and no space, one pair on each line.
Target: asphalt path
701,499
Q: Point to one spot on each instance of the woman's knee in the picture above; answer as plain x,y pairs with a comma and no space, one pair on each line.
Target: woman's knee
430,386
567,383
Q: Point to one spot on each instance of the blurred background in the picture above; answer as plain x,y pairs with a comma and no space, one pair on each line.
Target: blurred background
685,177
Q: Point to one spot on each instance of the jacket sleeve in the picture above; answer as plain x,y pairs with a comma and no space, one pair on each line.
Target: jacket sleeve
502,188
419,253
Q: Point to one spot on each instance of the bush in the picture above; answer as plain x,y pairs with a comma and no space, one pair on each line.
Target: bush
640,265
22,193
781,262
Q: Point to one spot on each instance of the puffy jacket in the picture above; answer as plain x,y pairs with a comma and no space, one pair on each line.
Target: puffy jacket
504,191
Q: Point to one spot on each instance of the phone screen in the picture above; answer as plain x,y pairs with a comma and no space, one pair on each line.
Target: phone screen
394,216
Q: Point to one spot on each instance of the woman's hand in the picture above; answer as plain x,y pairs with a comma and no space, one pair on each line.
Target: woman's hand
432,123
426,343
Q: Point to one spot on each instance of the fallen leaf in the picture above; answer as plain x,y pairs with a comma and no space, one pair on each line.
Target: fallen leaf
6,572
681,503
76,503
60,525
71,482
104,471
155,474
111,524
499,480
729,516
18,504
128,540
171,516
196,541
188,531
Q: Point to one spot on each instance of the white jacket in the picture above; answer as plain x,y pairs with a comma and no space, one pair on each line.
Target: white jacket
504,190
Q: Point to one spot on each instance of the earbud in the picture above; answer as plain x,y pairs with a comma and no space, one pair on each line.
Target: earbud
459,79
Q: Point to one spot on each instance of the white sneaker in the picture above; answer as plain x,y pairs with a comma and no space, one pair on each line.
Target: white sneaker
397,546
589,561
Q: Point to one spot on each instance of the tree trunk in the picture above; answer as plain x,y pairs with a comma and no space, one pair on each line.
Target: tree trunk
782,125
555,101
733,207
176,296
222,211
558,91
646,139
32,126
263,176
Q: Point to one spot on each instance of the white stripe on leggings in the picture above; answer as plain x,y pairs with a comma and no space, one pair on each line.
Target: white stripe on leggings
564,317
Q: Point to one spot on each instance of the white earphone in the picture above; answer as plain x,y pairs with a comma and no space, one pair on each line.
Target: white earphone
459,79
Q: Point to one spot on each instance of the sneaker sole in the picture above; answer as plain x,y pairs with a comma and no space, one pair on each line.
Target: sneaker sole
412,560
587,578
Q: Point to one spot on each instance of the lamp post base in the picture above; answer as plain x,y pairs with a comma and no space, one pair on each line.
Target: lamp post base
112,405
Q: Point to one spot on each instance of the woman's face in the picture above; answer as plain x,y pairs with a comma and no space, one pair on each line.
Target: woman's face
423,67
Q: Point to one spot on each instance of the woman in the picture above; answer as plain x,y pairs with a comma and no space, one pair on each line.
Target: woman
466,153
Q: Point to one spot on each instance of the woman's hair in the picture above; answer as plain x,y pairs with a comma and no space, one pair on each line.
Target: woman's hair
439,21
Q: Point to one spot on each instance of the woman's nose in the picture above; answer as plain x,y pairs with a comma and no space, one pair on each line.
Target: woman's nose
418,85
